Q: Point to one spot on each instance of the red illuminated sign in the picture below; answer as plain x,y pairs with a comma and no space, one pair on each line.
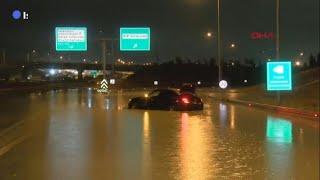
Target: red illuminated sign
262,35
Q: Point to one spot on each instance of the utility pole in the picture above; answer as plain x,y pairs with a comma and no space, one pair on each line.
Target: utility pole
112,56
104,51
278,41
219,42
278,29
28,58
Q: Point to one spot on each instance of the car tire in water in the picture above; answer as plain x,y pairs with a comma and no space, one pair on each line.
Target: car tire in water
171,108
133,106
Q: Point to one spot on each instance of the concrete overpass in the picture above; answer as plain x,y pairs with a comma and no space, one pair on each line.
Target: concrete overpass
80,67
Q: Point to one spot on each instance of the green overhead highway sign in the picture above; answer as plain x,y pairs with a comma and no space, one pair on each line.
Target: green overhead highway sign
134,39
71,38
279,76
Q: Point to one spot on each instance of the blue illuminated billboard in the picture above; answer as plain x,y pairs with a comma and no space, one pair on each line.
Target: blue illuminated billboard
135,39
279,76
71,38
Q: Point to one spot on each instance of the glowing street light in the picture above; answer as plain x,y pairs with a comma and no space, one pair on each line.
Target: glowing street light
209,34
298,63
301,53
233,45
52,71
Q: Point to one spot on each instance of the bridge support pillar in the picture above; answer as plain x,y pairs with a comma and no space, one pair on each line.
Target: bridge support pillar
80,71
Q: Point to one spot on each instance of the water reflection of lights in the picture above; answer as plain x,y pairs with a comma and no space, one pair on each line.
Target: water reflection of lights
120,100
279,130
301,133
223,113
146,147
107,104
89,98
232,115
279,154
146,125
195,148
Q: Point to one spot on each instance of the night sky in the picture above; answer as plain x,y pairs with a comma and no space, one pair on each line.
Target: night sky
178,26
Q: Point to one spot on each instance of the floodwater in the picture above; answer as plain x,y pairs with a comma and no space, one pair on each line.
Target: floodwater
80,134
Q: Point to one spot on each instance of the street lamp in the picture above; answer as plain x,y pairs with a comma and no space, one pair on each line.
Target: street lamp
232,45
209,34
278,41
218,41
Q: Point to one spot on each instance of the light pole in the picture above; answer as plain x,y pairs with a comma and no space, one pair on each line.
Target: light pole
104,51
277,29
278,41
209,34
28,57
219,41
232,48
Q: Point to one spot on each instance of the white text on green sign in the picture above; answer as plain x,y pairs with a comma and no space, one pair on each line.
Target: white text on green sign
71,38
279,76
135,39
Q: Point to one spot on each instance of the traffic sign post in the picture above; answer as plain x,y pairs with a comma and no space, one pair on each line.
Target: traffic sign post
103,87
135,39
279,77
223,84
71,38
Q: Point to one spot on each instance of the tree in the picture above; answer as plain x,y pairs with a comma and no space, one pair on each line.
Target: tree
312,61
318,59
178,60
250,62
212,62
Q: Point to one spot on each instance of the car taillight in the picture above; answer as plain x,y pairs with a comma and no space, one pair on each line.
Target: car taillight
185,100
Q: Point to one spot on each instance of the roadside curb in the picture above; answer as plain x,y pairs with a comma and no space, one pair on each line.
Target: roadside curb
279,109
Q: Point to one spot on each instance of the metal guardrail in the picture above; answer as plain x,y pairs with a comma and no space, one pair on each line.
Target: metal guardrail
279,109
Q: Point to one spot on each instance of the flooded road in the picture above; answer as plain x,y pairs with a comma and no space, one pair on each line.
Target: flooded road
81,134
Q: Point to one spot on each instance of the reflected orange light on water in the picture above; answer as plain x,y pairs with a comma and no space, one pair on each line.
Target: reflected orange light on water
146,125
195,147
146,157
232,115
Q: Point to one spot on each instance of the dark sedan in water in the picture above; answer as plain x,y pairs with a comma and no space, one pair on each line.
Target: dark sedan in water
167,99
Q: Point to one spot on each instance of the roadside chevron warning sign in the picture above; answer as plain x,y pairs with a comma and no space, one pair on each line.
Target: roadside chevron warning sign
104,86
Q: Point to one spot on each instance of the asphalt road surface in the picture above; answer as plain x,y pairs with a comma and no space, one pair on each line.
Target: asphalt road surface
80,134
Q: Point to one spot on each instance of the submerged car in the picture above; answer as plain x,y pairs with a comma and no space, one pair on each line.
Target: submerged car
167,99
